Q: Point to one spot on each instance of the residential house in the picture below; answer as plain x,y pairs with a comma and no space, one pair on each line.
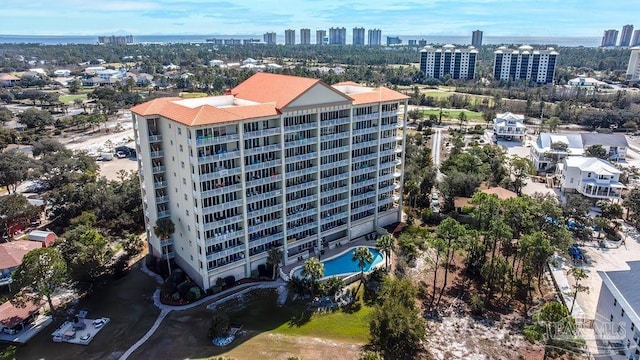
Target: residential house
592,177
62,73
585,82
509,126
14,319
550,149
216,62
249,61
616,321
8,80
11,254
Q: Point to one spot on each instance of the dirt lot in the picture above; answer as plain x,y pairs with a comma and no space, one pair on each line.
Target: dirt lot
110,169
127,302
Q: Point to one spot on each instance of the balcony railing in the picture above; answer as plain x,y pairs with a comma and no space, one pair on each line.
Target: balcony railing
362,208
363,196
365,157
160,184
333,178
155,138
259,197
218,157
261,133
390,113
157,154
219,223
335,164
265,225
157,169
262,149
302,157
338,121
212,140
218,191
226,252
334,204
364,117
335,136
364,144
363,170
264,180
294,143
162,199
390,126
303,227
300,127
301,214
264,211
302,172
220,237
335,150
163,214
170,255
263,165
220,207
220,174
305,185
369,130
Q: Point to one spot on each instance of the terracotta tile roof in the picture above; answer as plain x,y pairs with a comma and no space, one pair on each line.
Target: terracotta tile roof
10,315
203,114
8,77
11,253
379,94
266,87
501,192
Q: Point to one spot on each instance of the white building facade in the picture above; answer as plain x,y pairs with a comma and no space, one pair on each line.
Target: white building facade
509,126
282,162
616,321
633,68
525,63
594,178
458,63
553,148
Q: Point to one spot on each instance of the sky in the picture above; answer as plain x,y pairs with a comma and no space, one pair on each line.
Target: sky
397,17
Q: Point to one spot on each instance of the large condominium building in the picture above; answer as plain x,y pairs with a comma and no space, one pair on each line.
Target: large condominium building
458,63
269,38
625,35
115,40
358,36
609,38
337,36
633,69
375,37
289,37
525,63
279,162
305,36
393,40
635,40
476,39
320,37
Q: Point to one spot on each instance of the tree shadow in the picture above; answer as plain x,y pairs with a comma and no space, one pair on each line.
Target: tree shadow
301,319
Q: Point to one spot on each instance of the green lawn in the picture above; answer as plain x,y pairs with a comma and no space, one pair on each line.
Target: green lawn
261,313
66,99
453,114
438,94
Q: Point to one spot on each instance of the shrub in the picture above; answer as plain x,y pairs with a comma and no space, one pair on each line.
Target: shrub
229,281
477,305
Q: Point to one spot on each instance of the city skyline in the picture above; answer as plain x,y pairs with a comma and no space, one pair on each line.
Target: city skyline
404,17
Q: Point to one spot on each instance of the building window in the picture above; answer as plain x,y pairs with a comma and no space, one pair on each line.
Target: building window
185,196
615,302
187,212
181,149
179,131
191,257
171,142
611,318
184,181
633,326
622,313
182,164
169,125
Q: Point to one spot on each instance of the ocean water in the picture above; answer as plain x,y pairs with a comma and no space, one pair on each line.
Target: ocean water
431,39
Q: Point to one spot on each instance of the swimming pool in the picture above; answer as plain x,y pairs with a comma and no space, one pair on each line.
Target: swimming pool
343,264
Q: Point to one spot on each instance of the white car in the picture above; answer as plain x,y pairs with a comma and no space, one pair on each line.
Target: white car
434,197
98,323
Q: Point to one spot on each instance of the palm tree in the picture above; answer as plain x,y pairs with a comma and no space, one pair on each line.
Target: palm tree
386,244
163,230
273,259
314,270
363,256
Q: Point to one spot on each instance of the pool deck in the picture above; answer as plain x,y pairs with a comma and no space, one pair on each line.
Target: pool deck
329,253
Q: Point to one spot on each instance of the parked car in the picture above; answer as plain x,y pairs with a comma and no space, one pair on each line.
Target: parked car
434,197
98,323
121,155
9,331
85,337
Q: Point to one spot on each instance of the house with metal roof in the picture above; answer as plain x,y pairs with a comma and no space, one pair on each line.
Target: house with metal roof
592,177
550,149
509,126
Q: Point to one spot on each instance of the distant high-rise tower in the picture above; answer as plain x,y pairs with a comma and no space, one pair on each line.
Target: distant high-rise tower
635,41
337,36
393,40
633,69
476,39
358,36
375,37
525,64
289,37
448,60
305,36
609,38
320,35
269,38
625,36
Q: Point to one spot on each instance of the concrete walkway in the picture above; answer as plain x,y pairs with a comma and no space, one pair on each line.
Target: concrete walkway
214,299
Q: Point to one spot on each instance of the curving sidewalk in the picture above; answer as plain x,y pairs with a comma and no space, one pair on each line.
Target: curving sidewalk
166,309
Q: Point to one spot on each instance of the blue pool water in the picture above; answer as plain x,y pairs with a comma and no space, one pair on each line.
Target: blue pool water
344,265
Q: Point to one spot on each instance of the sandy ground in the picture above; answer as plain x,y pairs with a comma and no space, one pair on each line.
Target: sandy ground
110,169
